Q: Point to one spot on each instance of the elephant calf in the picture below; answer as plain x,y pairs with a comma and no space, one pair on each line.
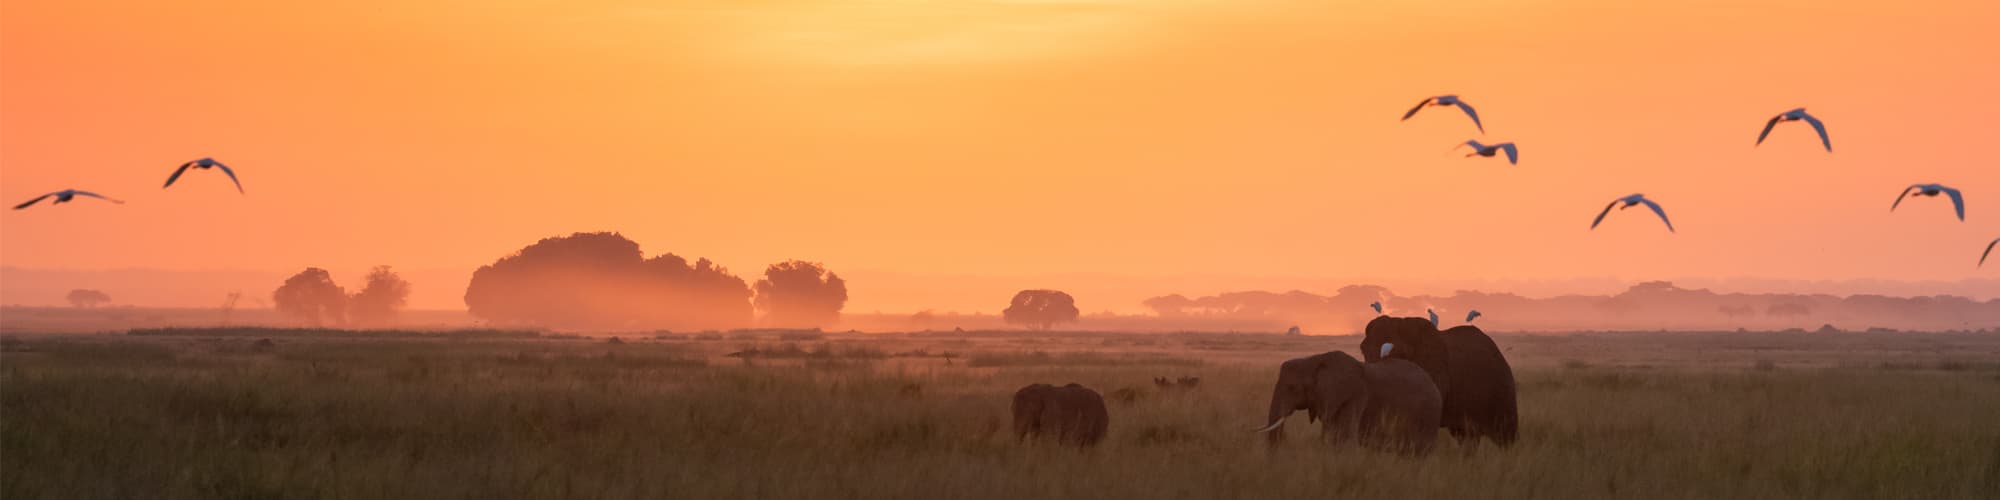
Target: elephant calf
1388,404
1071,414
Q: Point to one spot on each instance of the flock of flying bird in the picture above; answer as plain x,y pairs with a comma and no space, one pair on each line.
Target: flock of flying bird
1796,115
1478,149
64,196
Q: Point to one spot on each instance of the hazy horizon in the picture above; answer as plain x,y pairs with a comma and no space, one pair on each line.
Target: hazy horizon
875,291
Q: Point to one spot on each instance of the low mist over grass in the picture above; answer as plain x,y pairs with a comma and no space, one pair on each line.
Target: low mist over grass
1603,416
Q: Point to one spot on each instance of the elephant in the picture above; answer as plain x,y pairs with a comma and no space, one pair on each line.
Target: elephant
1469,369
1072,414
1390,404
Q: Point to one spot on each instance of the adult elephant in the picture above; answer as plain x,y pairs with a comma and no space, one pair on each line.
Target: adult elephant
1467,366
1390,405
1071,414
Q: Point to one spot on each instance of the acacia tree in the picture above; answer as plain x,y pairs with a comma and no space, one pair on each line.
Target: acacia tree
602,280
85,298
378,301
1041,309
800,294
311,296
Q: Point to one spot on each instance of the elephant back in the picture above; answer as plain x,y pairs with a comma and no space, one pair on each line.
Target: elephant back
1414,339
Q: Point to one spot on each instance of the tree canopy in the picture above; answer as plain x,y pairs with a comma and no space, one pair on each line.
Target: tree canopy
800,294
602,280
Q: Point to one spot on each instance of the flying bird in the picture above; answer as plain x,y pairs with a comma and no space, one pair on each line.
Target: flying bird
204,163
1434,317
1471,315
1796,115
1957,200
1629,201
64,196
1989,251
1378,306
1487,150
1447,100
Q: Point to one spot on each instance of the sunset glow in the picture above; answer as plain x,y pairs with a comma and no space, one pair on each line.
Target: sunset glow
1203,144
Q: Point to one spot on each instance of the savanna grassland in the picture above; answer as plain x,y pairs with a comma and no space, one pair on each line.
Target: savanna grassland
188,414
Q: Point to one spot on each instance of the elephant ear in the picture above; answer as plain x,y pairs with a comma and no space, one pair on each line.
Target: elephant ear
1338,380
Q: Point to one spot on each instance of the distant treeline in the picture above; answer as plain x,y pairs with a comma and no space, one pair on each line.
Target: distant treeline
1656,305
266,332
603,281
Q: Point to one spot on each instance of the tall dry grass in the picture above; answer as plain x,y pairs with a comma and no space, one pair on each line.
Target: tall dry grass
393,418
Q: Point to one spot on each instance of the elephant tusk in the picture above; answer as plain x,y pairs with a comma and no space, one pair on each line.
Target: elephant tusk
1386,347
1273,426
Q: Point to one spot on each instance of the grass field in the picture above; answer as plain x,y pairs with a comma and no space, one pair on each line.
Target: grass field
1694,415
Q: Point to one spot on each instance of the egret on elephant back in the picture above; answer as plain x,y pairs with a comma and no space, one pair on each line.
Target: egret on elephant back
1468,367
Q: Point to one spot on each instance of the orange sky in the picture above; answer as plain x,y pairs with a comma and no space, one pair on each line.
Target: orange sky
994,137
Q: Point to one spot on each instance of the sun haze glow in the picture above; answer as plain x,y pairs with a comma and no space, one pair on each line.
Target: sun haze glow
1197,143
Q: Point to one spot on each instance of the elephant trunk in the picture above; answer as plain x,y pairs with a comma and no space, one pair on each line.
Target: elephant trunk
1280,408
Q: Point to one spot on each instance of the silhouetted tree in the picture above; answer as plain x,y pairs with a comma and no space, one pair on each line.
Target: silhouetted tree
1169,306
379,300
311,296
1040,309
800,294
602,280
84,298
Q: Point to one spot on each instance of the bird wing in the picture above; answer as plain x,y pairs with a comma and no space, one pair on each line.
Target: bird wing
101,197
1420,107
1469,316
1821,128
1656,209
177,174
1767,128
1513,154
1473,114
1957,201
232,176
39,198
1600,215
1899,198
1989,251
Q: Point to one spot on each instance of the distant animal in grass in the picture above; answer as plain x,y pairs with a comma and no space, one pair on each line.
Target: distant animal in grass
1127,395
1071,415
1179,383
